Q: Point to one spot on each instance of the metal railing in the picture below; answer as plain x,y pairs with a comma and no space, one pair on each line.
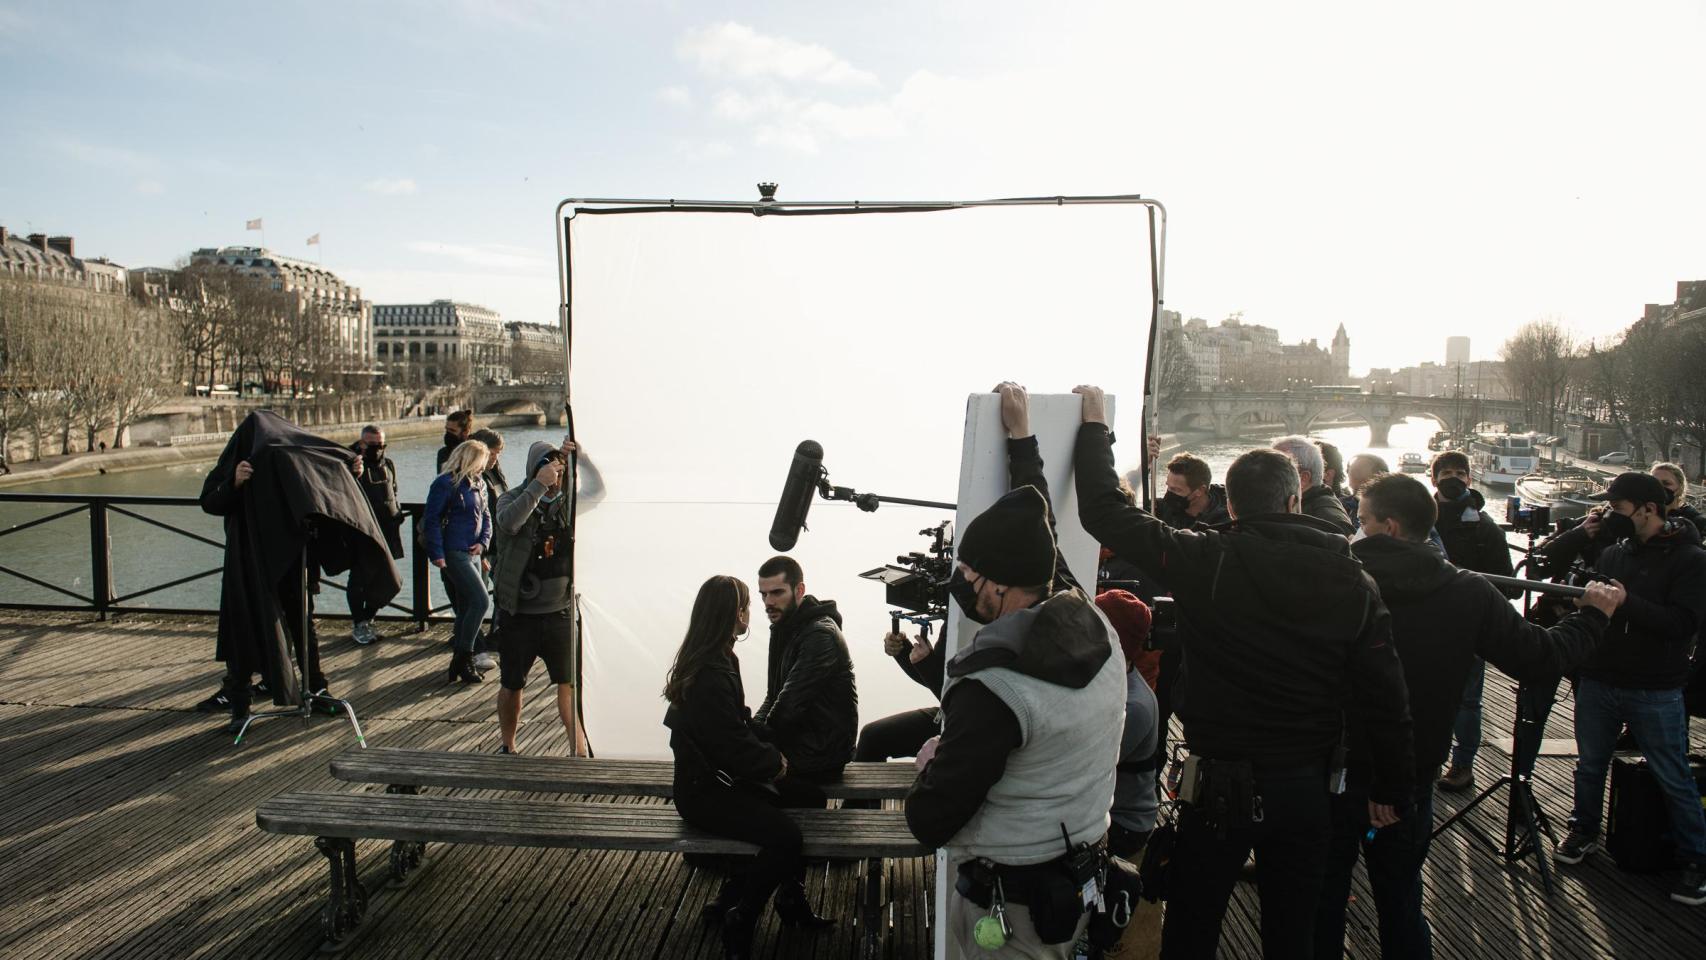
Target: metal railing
102,598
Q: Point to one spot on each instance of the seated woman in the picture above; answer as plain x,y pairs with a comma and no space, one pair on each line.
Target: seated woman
727,780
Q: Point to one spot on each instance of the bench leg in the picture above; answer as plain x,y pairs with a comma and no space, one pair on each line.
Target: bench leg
871,910
346,903
405,854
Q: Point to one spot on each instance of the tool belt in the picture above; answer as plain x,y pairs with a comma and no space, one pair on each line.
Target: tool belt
1225,793
1053,891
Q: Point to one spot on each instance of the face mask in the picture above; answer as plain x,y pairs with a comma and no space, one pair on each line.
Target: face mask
1360,535
551,497
965,595
371,455
1670,497
1452,488
1618,526
1175,501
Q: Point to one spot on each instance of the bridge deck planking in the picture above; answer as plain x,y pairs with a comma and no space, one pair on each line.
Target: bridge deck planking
128,830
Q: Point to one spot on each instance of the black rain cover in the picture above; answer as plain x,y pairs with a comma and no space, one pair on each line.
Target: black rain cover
302,490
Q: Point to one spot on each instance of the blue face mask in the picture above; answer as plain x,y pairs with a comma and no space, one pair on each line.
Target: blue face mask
551,497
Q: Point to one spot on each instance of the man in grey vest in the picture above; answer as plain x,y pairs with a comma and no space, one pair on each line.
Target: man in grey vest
1021,780
530,576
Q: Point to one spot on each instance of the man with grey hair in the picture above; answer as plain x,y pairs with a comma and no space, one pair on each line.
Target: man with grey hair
1287,655
1318,499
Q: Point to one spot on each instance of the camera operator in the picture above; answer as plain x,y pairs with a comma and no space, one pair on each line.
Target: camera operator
530,578
1287,643
903,734
1443,618
1473,541
1023,777
1638,677
811,706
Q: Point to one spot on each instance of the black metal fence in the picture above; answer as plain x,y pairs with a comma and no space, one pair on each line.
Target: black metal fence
100,592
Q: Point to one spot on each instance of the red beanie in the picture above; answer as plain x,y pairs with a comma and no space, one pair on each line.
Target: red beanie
1130,617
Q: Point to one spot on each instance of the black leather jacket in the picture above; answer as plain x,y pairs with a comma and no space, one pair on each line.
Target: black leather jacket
811,710
710,731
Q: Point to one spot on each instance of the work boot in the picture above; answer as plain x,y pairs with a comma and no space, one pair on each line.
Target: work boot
794,910
462,668
1457,779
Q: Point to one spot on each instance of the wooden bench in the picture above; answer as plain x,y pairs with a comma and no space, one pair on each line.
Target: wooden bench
618,778
411,821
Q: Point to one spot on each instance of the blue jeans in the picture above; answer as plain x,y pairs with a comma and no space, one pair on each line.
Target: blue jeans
1394,861
1467,731
1660,726
468,598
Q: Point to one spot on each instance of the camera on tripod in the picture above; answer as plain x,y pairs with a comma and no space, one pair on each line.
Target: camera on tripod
1524,518
918,581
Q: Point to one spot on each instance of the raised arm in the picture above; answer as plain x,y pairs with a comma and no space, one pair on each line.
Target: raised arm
1025,464
1130,532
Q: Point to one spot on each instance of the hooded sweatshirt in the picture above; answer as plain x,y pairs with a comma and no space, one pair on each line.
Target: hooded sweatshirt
524,578
1473,539
1442,619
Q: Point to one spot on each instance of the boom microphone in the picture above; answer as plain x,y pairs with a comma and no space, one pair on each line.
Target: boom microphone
803,477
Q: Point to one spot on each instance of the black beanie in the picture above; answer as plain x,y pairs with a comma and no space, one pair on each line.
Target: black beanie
1011,543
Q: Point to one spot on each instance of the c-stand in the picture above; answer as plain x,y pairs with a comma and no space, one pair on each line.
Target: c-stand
1525,821
308,699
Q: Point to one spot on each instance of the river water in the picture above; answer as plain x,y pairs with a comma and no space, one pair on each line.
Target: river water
641,561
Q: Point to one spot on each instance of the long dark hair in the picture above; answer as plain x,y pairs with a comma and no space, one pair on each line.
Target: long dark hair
710,631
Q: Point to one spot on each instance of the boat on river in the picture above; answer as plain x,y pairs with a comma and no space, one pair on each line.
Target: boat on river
1413,463
1501,459
1565,494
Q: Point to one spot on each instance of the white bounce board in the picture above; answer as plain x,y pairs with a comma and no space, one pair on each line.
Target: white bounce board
1055,419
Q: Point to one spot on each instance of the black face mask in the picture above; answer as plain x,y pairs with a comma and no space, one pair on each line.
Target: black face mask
372,455
1175,501
1617,526
1452,488
965,595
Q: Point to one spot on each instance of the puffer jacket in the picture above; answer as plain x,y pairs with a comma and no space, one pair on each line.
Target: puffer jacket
811,709
456,517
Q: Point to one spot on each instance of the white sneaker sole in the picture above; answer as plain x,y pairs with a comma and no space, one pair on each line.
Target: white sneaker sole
1563,857
1693,900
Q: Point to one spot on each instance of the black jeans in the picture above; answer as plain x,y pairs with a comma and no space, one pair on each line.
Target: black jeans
361,609
1291,854
1394,861
746,812
899,735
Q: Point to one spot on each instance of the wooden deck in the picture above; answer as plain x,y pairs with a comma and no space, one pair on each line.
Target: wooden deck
127,831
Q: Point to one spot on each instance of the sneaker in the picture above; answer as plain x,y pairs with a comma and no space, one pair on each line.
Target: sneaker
484,662
1457,779
362,632
262,690
1576,845
1691,889
218,703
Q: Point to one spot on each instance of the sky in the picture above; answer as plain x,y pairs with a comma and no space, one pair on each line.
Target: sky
1413,172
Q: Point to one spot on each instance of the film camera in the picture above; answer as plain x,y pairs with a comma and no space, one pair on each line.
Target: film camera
1524,518
918,581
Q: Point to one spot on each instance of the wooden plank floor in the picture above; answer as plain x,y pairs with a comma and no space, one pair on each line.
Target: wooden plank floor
127,831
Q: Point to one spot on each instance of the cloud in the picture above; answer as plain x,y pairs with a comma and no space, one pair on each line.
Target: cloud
491,255
676,96
398,187
150,188
731,49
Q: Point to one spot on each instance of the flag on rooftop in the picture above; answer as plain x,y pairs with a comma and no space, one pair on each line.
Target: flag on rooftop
314,241
254,224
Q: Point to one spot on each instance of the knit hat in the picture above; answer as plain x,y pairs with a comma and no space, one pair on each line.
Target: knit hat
1130,617
1011,542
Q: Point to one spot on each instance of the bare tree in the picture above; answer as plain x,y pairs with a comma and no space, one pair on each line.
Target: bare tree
1539,362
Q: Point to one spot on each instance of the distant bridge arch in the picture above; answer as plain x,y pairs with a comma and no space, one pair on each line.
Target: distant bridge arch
1229,414
541,399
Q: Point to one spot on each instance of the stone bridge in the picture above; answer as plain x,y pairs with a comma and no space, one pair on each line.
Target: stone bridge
544,399
1235,414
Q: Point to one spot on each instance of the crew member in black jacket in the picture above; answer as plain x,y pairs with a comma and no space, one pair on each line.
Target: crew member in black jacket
1443,618
901,734
1473,541
729,781
811,706
377,478
1638,675
1286,643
